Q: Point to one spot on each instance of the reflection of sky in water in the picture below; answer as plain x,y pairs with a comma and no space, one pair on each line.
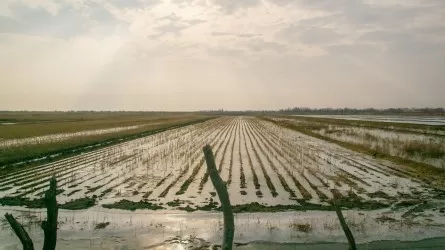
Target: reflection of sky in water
148,229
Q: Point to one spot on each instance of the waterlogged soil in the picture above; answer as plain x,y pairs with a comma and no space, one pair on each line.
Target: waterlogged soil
267,168
131,205
351,202
77,204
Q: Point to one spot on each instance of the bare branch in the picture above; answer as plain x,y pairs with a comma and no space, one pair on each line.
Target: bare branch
50,225
20,232
229,224
345,228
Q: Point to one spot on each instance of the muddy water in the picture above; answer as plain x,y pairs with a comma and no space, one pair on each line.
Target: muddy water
173,230
314,163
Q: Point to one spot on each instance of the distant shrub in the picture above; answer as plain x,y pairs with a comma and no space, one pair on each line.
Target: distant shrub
424,150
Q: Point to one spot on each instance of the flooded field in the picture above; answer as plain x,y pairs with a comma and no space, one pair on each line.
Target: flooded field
267,168
182,230
425,120
260,162
419,144
42,137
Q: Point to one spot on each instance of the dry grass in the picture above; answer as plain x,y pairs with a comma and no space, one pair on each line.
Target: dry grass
301,227
30,124
425,150
61,124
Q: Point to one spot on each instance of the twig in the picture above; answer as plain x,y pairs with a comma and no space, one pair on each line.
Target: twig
229,224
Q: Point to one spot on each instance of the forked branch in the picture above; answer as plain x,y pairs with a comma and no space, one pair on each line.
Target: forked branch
49,226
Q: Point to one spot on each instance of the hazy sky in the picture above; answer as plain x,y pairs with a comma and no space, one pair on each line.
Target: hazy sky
231,54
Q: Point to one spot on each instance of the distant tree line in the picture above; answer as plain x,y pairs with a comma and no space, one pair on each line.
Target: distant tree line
334,111
367,111
295,110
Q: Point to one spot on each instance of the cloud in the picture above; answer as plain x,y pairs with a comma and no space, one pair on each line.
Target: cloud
196,21
226,52
373,14
37,21
319,36
358,50
134,4
170,28
232,6
66,22
172,18
241,35
173,24
255,53
259,45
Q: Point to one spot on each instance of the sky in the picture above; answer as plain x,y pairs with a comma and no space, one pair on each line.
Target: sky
185,55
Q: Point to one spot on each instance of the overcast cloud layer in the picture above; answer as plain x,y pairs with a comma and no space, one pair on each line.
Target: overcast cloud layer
231,54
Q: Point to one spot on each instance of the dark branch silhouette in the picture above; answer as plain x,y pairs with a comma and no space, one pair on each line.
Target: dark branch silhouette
344,226
49,226
20,232
229,224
